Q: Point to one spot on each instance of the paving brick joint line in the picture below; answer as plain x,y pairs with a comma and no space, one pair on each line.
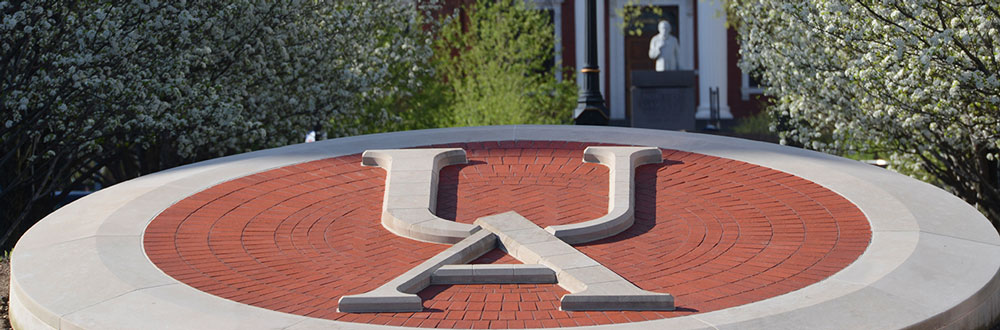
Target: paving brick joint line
713,232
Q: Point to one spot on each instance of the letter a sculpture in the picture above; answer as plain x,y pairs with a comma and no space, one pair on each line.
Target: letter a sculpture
408,210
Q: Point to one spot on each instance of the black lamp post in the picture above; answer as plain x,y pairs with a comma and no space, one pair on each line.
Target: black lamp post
590,109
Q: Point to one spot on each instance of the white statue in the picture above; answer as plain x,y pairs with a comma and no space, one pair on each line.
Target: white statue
664,48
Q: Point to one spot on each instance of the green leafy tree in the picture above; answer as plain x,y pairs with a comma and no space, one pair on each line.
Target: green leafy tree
496,68
916,80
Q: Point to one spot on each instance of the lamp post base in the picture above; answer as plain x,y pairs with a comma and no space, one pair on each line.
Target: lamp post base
590,115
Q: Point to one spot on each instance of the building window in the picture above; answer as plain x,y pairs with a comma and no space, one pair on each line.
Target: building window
751,85
554,10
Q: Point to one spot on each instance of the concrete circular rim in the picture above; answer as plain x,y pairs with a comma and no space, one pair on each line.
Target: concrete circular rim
933,260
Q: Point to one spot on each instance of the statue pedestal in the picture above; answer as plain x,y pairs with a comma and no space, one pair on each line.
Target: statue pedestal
663,100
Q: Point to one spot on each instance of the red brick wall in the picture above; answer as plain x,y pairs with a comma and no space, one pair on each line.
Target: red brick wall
568,34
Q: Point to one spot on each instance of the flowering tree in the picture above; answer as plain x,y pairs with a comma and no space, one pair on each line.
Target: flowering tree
116,89
916,80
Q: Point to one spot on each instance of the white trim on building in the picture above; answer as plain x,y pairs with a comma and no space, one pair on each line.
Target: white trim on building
712,64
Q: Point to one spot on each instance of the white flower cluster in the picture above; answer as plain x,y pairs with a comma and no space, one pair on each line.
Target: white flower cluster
205,77
916,80
113,89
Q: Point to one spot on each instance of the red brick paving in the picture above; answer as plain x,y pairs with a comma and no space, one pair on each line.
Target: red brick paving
715,233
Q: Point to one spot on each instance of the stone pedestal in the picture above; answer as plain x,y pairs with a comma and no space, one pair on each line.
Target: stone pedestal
663,100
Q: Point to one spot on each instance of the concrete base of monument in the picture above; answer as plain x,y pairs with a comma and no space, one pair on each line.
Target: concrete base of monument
493,274
614,301
932,261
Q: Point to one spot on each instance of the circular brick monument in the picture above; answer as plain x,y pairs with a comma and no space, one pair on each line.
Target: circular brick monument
512,227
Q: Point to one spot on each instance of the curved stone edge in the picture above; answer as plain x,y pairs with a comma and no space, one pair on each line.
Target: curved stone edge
621,163
410,198
932,261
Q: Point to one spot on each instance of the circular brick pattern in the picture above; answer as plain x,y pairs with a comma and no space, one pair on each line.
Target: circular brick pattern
714,232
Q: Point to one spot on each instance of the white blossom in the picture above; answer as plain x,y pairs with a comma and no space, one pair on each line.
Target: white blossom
100,81
914,81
